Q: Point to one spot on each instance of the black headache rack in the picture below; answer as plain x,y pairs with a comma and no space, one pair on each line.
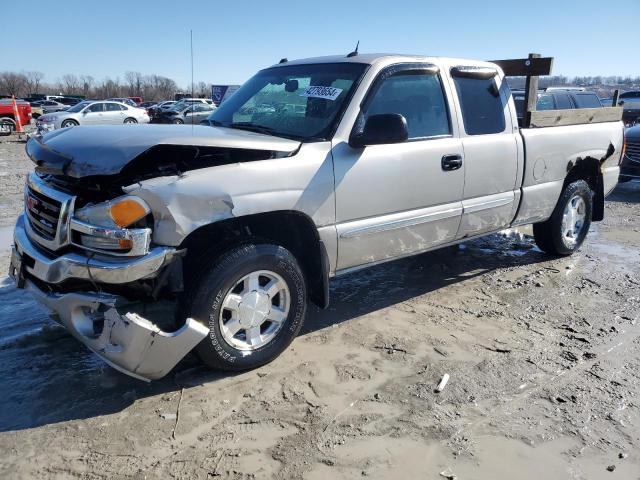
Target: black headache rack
531,68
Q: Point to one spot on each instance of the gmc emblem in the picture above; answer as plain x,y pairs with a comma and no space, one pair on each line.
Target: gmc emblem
32,203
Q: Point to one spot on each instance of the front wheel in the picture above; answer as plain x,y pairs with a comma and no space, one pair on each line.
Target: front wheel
69,123
569,223
253,299
177,121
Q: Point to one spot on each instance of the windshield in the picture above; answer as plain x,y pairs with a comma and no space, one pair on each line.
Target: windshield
179,106
77,107
300,101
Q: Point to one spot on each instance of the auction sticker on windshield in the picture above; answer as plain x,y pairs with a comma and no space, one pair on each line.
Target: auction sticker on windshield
328,93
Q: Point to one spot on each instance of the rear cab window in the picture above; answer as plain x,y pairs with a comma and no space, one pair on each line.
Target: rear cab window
480,101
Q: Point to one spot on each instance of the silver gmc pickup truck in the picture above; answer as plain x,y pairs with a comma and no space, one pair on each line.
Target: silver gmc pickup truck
149,241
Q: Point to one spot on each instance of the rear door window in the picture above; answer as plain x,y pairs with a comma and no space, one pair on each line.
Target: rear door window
481,105
563,101
587,100
113,107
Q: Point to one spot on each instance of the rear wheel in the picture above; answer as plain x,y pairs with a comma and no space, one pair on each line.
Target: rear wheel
69,123
130,120
253,299
569,224
8,122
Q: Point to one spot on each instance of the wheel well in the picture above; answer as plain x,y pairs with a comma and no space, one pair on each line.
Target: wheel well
588,169
293,230
9,118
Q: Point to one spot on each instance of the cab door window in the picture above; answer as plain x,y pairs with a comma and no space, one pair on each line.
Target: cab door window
418,96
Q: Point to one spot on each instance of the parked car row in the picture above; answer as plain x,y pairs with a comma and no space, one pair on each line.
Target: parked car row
557,98
91,112
188,110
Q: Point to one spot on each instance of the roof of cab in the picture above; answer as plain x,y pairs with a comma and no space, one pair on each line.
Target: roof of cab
367,58
373,58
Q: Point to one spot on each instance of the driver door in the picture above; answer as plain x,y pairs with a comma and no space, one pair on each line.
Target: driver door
93,114
397,199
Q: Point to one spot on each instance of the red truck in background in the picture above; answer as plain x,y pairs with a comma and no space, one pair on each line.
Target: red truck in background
7,116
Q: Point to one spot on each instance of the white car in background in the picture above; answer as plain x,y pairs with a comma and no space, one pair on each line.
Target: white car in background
92,113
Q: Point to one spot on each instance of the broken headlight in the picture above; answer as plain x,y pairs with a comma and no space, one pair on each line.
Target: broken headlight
116,226
119,213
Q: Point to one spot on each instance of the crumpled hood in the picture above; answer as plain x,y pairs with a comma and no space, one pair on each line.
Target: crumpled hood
105,150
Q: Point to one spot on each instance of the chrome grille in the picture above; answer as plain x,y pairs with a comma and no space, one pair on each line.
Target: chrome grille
632,150
48,213
43,213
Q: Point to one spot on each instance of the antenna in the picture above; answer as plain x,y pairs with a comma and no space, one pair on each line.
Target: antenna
192,88
355,52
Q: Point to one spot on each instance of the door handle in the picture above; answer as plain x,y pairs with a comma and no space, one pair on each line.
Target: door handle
451,162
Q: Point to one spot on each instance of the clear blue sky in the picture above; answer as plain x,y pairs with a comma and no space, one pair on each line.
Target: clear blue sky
234,38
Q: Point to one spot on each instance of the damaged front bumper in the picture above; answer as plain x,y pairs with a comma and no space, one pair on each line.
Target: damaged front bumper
74,265
129,342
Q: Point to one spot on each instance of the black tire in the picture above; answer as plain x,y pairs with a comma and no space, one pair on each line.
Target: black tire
130,120
8,121
177,121
213,284
69,123
549,235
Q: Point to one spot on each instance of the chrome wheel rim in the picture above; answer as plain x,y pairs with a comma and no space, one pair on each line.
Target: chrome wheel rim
573,220
254,310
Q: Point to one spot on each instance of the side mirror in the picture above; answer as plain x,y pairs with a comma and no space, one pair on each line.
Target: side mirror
381,129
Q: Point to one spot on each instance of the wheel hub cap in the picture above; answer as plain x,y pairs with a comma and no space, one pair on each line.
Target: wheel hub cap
573,220
254,310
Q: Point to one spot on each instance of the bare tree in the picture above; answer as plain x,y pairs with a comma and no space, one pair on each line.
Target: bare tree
134,83
71,84
12,83
87,84
33,81
202,90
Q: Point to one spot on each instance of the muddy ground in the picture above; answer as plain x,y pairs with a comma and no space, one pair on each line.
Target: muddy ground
543,356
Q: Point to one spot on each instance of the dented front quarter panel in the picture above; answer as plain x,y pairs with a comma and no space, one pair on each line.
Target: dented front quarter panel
181,204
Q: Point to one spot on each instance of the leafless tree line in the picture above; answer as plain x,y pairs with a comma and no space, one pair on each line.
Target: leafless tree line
157,87
134,84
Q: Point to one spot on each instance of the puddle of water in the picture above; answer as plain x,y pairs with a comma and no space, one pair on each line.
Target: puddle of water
20,314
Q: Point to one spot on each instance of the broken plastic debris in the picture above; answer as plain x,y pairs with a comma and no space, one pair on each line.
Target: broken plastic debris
443,383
